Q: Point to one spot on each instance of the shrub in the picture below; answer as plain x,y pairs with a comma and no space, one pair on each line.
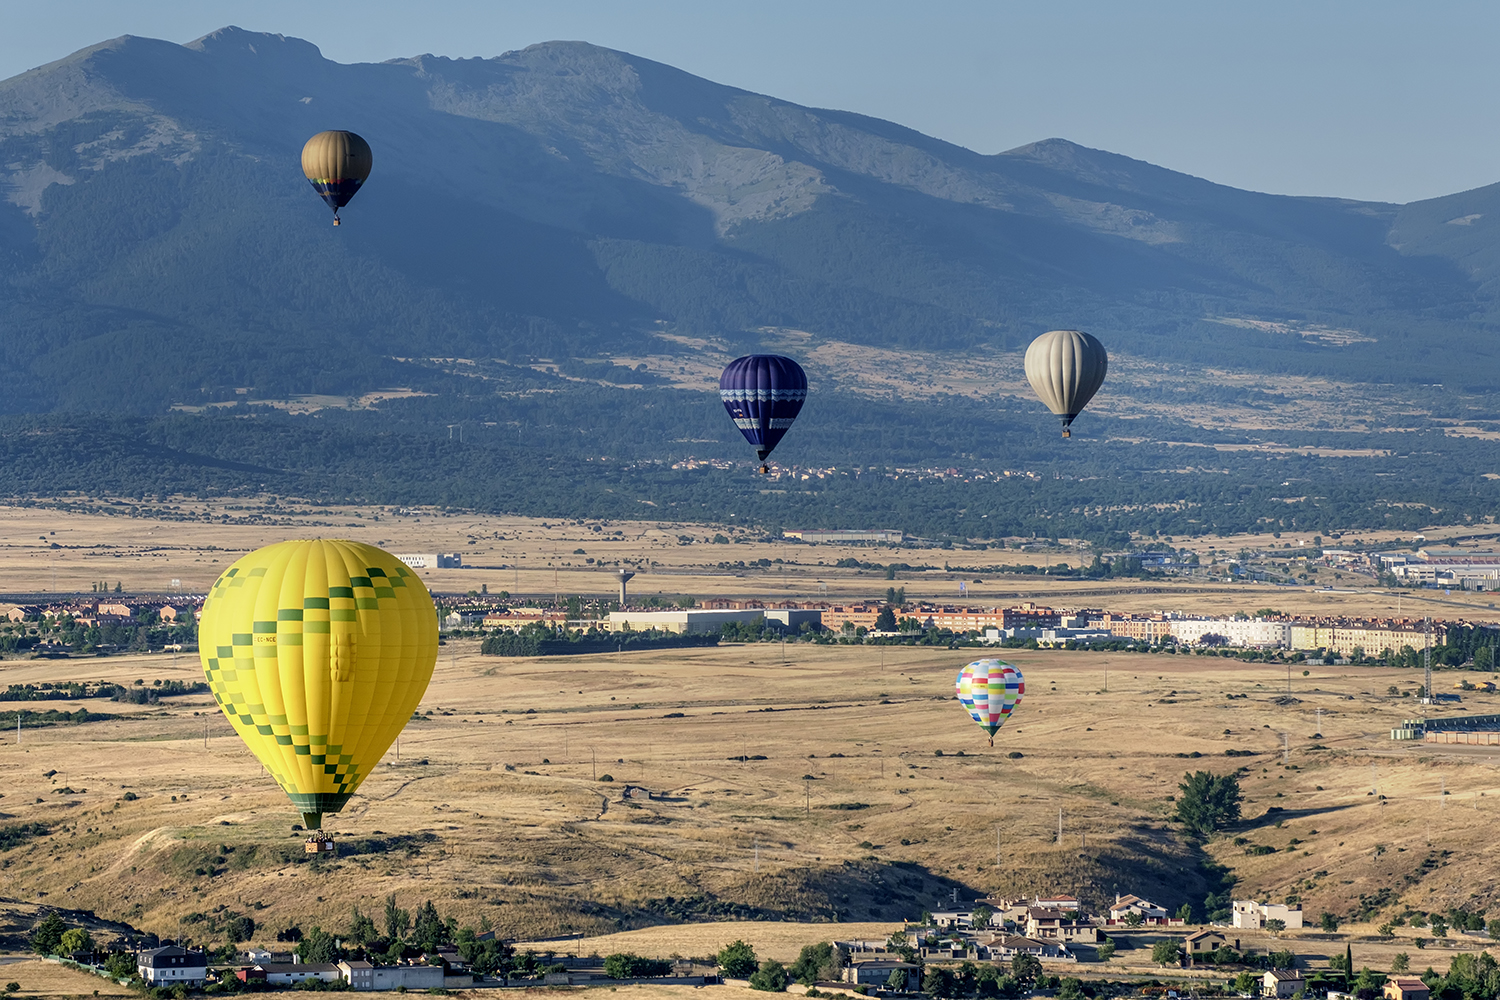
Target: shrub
770,977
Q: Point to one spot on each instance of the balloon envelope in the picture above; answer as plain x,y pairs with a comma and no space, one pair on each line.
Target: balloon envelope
336,163
990,690
318,652
763,394
1065,369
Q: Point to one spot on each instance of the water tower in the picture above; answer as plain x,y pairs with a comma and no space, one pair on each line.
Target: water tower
624,575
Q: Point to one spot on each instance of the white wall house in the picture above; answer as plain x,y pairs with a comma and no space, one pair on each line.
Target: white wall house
172,965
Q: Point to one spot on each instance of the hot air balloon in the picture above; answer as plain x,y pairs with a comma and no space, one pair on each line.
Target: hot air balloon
990,690
318,653
337,163
763,394
1065,369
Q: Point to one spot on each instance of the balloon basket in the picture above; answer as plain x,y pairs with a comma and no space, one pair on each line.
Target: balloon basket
765,471
336,221
1067,433
319,844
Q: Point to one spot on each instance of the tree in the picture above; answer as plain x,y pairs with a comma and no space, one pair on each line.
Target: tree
937,982
1134,919
886,620
1275,924
1439,927
75,939
1208,801
896,980
1185,913
429,931
738,960
318,946
817,962
1401,962
120,965
1071,988
362,929
1165,951
1106,951
1328,922
397,920
1025,969
47,937
981,916
241,928
770,977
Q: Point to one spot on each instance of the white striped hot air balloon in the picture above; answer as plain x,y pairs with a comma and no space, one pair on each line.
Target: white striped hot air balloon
1065,369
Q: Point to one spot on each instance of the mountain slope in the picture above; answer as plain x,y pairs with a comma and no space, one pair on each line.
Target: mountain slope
566,199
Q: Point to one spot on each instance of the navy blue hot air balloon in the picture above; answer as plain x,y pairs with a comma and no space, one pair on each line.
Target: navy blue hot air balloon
763,394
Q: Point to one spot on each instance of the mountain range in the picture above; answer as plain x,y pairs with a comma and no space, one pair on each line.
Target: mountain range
538,221
568,200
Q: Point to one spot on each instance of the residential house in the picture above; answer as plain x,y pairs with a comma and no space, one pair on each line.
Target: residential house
878,973
953,919
172,965
359,975
1405,988
1282,983
1250,915
257,955
1005,946
1058,902
1205,942
297,973
1151,915
1059,925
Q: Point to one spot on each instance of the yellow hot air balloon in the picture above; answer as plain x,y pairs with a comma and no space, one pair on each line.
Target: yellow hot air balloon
1065,369
318,652
337,163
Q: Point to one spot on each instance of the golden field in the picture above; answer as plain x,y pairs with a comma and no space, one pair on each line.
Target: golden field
497,808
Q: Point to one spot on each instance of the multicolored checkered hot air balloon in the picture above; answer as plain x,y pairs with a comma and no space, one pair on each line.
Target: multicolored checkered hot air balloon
763,394
990,690
318,652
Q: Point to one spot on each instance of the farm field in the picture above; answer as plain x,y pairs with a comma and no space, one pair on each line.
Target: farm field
865,795
146,547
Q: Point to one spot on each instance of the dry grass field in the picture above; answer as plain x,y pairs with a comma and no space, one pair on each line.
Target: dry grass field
875,797
147,546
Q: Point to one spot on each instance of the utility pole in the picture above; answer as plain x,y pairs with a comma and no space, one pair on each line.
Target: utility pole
1427,656
1285,749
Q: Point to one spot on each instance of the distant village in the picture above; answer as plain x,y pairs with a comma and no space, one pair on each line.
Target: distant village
1002,942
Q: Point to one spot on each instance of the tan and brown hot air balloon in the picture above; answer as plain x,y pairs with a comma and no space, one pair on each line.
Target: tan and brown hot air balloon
1065,369
336,163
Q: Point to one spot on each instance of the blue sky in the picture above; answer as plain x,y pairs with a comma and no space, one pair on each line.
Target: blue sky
1375,100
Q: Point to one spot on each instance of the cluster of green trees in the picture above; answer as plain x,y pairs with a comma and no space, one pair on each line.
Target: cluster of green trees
138,636
540,640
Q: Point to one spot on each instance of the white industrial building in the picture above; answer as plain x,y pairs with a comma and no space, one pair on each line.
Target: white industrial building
888,535
681,620
432,560
1236,631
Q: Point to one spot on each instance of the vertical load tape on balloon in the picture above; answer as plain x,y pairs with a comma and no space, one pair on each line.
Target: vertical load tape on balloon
318,652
